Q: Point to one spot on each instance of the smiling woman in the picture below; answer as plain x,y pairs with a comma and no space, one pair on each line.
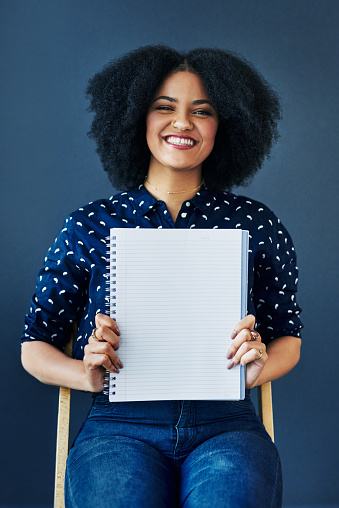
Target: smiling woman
176,131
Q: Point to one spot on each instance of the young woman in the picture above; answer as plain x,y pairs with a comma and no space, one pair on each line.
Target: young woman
176,132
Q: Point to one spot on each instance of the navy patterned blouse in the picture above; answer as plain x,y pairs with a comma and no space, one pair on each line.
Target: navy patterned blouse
71,286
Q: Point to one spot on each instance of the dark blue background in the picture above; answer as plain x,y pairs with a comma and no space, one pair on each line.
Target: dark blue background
49,48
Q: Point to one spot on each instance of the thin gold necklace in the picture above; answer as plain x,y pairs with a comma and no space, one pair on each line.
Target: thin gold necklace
174,192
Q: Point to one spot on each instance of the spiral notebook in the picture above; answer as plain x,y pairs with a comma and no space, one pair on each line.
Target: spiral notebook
176,295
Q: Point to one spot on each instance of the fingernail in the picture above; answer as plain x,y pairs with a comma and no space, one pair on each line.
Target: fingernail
229,355
233,335
120,365
230,365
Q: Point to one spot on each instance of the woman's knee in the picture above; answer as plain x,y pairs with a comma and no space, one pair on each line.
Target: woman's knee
120,472
235,469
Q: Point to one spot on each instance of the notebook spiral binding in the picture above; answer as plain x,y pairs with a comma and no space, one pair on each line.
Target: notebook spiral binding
109,298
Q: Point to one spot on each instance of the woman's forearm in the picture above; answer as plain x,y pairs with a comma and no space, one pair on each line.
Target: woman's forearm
283,355
51,366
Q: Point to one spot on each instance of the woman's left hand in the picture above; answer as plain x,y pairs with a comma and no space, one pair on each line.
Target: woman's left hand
247,349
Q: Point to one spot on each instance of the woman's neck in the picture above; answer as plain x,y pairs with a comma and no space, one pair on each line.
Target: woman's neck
174,188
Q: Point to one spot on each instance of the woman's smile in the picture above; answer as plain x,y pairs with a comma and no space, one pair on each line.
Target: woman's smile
181,142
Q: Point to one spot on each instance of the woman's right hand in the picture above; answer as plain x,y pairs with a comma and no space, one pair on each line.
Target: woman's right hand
100,352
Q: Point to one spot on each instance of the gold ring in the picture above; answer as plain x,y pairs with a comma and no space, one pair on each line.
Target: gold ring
94,336
261,351
254,335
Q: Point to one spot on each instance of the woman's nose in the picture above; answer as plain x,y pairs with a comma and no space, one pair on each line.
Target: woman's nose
182,122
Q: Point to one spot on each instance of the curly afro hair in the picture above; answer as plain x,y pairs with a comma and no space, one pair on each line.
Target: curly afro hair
121,93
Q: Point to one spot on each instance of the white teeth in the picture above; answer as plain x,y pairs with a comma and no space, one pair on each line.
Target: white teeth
179,141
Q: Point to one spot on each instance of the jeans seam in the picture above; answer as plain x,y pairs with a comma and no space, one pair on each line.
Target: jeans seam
177,430
68,494
277,471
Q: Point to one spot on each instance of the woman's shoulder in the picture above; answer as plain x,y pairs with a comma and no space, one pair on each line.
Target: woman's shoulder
250,214
246,205
100,214
93,207
99,207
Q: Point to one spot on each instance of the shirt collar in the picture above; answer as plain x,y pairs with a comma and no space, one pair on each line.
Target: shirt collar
143,201
204,199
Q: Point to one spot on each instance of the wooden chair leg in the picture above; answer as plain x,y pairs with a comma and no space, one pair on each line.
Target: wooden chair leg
266,407
62,445
63,433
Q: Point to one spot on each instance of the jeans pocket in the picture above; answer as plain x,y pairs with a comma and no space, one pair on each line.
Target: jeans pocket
242,406
102,406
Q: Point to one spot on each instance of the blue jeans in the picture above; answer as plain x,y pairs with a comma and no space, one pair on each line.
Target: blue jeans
173,453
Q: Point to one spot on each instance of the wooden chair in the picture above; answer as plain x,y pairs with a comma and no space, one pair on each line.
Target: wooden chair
62,439
265,413
265,407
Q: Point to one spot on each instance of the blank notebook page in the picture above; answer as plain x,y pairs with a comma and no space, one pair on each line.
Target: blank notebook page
176,295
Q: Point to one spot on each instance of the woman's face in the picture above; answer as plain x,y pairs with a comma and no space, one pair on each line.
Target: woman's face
181,124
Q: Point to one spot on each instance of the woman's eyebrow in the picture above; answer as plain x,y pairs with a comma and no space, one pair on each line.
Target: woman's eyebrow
172,99
202,101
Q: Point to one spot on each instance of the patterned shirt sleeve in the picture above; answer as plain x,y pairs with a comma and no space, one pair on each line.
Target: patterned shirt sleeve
275,285
61,291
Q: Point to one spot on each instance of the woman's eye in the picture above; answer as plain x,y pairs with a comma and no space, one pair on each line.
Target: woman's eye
164,108
203,112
